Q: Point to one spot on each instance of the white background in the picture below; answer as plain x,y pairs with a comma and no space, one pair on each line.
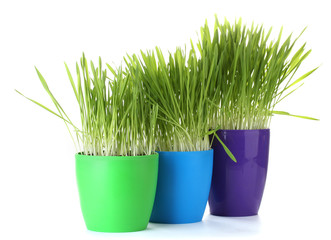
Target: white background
38,195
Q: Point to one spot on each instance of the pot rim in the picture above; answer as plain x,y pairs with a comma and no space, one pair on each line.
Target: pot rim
238,130
185,151
98,156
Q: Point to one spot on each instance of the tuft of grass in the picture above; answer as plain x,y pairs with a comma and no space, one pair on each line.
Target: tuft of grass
179,87
253,74
116,119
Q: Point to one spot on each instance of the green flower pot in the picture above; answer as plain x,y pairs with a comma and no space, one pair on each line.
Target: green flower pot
116,193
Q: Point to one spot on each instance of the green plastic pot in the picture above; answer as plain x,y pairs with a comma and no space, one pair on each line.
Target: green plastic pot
116,193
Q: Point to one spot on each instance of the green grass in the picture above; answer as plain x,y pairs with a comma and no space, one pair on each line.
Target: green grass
179,87
116,118
252,75
232,79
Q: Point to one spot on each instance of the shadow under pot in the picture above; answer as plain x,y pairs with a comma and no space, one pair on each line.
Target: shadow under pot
237,188
183,186
116,192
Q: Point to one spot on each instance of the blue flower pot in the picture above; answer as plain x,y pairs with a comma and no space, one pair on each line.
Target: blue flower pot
183,186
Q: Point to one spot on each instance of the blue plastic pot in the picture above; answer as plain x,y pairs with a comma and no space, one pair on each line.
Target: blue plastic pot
183,186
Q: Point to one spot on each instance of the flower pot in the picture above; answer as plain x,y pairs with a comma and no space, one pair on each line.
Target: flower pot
116,193
183,186
237,188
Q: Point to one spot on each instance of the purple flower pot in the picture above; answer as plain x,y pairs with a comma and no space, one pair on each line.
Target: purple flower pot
237,188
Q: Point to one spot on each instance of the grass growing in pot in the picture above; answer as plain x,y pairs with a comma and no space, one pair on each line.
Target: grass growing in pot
182,87
179,86
253,73
116,166
116,119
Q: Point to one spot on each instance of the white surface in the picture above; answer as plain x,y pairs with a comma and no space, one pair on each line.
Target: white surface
38,195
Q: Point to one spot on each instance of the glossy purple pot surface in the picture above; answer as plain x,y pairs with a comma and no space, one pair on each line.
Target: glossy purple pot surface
237,188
